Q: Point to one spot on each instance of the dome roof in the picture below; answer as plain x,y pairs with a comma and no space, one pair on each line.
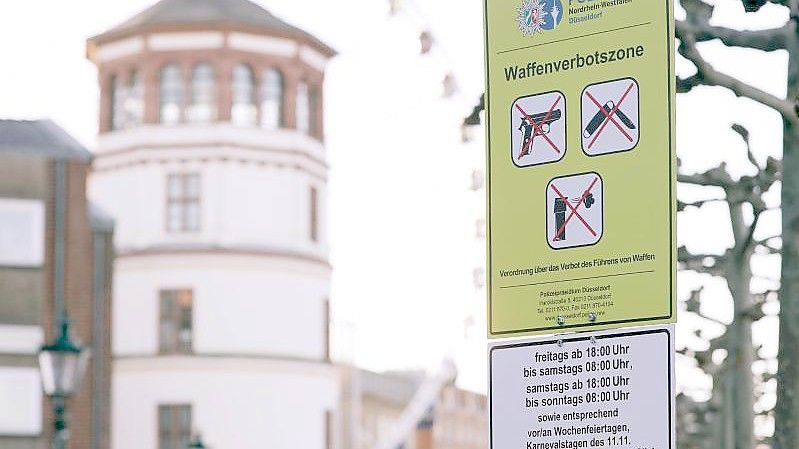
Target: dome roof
167,13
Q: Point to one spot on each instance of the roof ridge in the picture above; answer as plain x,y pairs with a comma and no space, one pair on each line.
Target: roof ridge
187,12
41,137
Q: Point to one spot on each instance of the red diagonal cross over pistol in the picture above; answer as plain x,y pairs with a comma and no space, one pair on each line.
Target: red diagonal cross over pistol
527,148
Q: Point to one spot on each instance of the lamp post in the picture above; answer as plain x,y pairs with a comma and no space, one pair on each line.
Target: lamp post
61,364
197,442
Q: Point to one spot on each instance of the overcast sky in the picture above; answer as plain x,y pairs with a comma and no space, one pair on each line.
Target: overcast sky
403,219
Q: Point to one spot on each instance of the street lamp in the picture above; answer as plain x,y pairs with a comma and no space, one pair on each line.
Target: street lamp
197,442
61,364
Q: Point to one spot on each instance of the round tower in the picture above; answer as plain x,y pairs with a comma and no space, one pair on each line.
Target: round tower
211,159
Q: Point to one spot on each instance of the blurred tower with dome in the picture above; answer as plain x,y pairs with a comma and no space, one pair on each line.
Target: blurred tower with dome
211,159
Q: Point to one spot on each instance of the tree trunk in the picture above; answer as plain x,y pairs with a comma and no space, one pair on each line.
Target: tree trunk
720,433
740,349
741,393
786,433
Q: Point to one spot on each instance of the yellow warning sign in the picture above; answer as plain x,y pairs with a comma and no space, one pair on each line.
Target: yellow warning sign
581,164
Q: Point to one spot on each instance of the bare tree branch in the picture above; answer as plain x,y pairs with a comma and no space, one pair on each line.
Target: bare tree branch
746,243
769,247
712,264
765,40
715,177
756,311
685,85
682,206
755,5
768,251
744,133
712,320
473,119
693,305
694,301
709,76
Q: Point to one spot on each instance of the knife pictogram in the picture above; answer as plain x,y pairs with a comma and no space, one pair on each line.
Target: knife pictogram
597,120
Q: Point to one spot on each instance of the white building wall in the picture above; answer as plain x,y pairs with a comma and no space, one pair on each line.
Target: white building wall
236,403
258,377
270,206
243,305
243,204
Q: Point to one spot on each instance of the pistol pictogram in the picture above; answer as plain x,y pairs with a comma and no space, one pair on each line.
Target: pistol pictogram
542,121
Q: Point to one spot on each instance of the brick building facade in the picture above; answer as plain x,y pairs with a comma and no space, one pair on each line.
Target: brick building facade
43,172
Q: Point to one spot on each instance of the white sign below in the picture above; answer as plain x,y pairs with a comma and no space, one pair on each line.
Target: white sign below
592,390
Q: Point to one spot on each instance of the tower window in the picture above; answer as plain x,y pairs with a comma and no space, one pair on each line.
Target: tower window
303,108
243,110
117,102
183,202
134,103
203,94
174,426
175,321
314,222
171,95
314,126
272,99
127,101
